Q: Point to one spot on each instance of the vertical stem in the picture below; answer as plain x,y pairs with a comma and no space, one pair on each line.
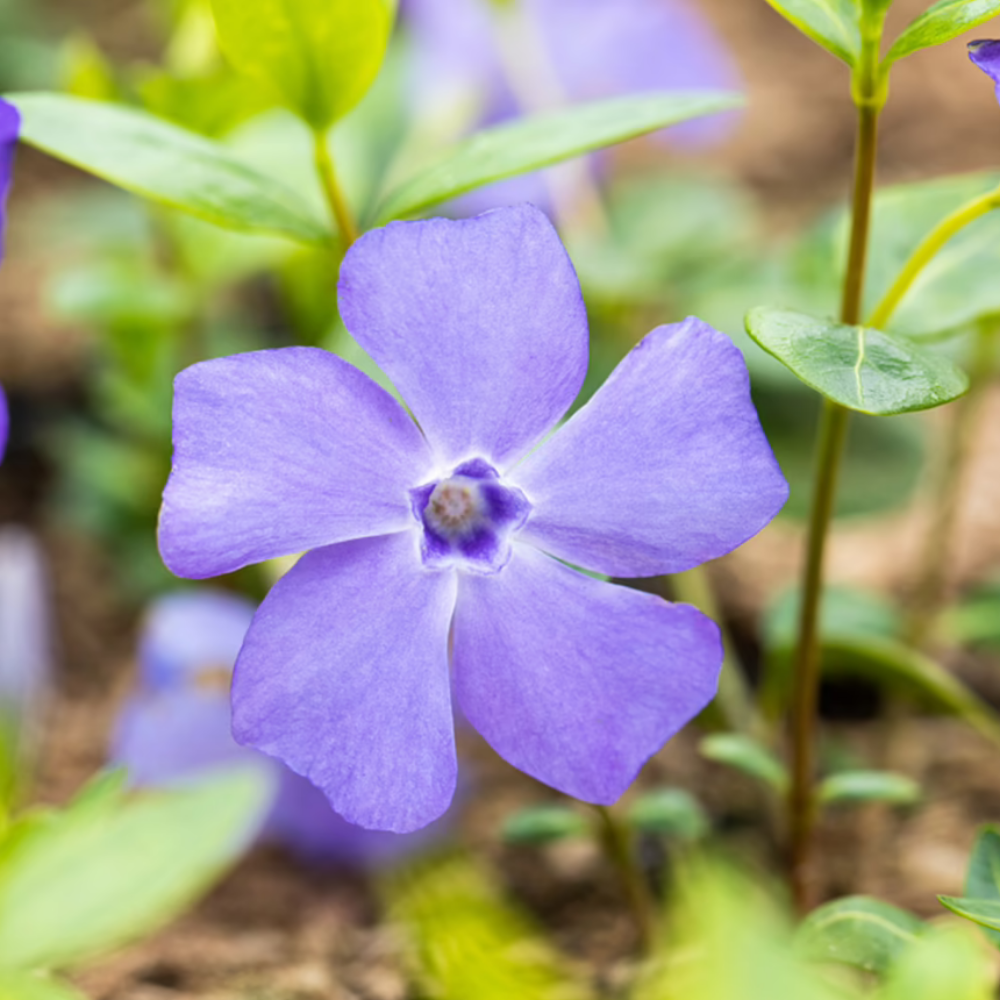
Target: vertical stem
830,448
929,593
619,850
331,189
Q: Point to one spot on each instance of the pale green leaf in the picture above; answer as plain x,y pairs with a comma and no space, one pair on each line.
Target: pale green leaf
858,367
940,23
746,755
982,879
868,786
669,812
985,912
320,56
544,824
945,963
834,24
859,931
76,884
541,140
29,986
164,163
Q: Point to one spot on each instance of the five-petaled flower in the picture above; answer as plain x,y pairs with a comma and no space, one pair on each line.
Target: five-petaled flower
985,53
453,530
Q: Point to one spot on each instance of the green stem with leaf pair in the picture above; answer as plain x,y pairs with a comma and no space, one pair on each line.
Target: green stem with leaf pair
342,215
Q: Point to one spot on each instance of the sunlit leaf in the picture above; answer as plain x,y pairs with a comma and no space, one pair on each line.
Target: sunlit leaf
465,940
538,141
852,787
830,23
157,160
982,879
859,931
943,964
77,884
28,986
940,23
858,367
985,912
320,56
746,755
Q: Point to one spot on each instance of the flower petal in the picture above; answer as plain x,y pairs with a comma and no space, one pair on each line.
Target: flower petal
480,324
10,128
666,467
192,633
575,681
280,451
985,53
344,677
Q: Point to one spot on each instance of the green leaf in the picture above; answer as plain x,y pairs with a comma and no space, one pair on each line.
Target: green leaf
985,912
858,367
544,824
670,812
859,931
830,23
26,986
982,879
976,619
538,141
76,884
320,56
466,940
746,755
868,786
945,963
164,163
940,23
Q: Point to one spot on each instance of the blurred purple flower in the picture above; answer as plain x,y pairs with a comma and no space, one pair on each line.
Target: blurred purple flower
176,726
10,126
985,53
422,536
591,49
25,643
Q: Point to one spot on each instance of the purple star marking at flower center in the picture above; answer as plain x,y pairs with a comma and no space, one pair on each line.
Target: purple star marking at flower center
468,518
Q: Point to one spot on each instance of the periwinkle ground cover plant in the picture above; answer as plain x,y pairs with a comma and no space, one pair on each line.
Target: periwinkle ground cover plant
459,526
344,674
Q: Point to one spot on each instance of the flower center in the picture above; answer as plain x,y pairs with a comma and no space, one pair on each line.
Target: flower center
468,518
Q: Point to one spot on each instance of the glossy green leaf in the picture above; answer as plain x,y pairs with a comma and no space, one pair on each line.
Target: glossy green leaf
858,367
538,141
852,787
320,56
830,23
945,963
76,884
746,755
28,986
985,912
544,824
940,23
164,163
669,812
859,931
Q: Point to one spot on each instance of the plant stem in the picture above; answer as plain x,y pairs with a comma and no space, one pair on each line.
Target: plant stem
927,249
331,189
616,844
830,448
928,595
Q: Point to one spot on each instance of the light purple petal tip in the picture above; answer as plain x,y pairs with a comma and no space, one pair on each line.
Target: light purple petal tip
480,324
666,467
10,128
344,677
574,681
276,452
985,53
190,633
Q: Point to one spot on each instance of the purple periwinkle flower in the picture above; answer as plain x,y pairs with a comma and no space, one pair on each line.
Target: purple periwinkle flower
985,53
454,528
10,127
175,728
